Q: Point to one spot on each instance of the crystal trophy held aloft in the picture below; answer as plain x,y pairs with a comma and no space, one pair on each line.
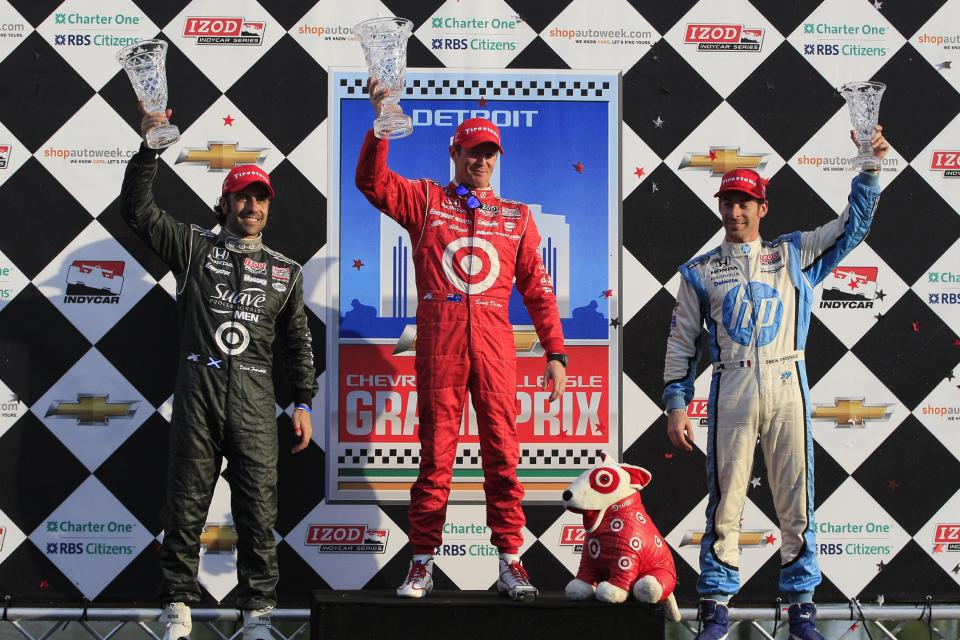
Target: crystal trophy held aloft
863,98
145,64
384,42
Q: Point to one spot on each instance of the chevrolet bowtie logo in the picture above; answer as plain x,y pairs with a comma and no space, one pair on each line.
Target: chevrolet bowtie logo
90,409
719,160
221,156
218,538
524,339
748,538
851,412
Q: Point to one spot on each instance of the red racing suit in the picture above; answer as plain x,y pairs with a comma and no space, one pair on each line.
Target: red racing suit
465,262
626,546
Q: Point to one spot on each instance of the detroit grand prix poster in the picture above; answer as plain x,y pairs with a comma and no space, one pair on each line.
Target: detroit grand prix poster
560,133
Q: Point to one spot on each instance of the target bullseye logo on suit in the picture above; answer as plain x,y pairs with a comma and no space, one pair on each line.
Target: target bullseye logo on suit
232,338
474,257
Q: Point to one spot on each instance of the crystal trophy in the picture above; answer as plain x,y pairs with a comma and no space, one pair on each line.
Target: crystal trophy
145,64
384,42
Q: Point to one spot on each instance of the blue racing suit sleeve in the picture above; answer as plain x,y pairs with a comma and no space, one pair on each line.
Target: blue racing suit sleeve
823,248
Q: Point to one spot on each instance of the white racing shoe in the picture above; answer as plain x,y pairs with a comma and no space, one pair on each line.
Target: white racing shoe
176,615
514,581
256,624
419,580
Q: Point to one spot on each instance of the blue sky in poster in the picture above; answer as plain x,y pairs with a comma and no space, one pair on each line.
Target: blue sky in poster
537,168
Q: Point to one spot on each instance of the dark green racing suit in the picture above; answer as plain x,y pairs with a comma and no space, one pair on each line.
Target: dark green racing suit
233,296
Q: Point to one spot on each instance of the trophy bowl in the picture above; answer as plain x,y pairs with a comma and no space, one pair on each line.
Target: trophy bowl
145,64
863,99
384,42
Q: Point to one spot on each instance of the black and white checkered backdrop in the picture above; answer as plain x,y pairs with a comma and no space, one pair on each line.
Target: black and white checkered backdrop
88,319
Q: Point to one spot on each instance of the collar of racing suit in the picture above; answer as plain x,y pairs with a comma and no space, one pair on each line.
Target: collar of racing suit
487,193
240,245
738,249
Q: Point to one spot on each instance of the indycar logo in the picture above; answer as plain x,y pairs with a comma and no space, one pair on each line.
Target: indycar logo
4,156
850,287
94,282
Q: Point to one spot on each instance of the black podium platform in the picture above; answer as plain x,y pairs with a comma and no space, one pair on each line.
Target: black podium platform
470,615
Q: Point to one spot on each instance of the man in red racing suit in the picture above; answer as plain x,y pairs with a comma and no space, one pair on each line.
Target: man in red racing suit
467,249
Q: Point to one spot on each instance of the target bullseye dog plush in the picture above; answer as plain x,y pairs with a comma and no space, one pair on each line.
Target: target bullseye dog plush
622,550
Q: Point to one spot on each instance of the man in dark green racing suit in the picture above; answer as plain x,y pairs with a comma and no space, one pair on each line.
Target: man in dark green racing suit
234,295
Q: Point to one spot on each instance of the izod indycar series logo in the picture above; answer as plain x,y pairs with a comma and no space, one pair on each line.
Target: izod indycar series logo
226,31
946,161
572,535
850,287
697,412
723,37
94,282
346,538
946,537
4,156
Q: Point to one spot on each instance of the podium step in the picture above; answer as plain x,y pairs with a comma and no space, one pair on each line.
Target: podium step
476,615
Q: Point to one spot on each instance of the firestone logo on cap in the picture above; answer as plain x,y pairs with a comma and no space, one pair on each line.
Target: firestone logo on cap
470,130
744,180
475,131
243,175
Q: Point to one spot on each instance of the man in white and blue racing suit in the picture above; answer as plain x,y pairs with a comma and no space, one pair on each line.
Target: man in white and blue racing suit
755,298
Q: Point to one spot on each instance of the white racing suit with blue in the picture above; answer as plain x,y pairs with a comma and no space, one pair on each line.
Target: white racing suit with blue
755,299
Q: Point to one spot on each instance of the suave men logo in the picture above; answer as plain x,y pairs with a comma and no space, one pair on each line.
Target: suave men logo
757,310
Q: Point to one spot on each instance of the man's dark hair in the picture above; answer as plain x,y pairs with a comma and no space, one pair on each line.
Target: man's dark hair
218,213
